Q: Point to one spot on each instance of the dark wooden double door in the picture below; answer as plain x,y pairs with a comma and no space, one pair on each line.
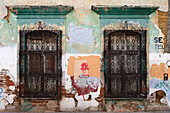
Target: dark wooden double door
40,64
125,64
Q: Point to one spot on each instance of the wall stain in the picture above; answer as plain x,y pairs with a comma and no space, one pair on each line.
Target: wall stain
8,14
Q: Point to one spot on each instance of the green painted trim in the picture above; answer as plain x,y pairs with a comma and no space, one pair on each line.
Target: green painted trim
41,17
123,10
41,10
124,17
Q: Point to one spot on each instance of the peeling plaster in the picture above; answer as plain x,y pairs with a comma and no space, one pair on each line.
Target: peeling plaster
82,18
8,60
6,94
157,32
121,26
79,35
93,63
158,71
157,68
46,26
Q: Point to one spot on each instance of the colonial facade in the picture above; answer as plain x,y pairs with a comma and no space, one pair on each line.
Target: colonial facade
106,56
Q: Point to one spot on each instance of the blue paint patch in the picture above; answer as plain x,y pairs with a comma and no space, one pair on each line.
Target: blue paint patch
1,90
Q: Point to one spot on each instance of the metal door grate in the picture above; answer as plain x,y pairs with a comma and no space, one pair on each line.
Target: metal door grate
125,64
40,63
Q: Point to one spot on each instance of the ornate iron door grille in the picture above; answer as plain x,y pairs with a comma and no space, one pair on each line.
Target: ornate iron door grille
125,64
40,64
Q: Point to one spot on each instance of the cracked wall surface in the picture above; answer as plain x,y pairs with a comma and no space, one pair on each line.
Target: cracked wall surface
82,56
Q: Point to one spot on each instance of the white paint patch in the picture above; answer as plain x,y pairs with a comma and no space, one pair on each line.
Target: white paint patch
3,103
67,104
157,58
12,88
10,98
8,59
80,35
82,105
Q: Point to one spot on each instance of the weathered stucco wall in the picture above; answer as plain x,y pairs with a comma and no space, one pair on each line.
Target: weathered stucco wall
82,45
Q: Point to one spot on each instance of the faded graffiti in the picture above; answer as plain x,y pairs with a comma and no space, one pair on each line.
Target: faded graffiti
85,84
156,84
163,84
85,73
79,70
80,35
159,80
160,84
84,67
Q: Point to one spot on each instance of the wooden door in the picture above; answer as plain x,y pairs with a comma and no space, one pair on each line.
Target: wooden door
125,60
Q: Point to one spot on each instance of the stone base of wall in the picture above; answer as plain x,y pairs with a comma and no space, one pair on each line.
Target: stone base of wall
124,106
157,108
107,105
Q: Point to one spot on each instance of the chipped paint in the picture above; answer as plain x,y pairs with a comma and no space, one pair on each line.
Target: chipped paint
75,32
85,24
82,54
121,26
26,106
7,87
